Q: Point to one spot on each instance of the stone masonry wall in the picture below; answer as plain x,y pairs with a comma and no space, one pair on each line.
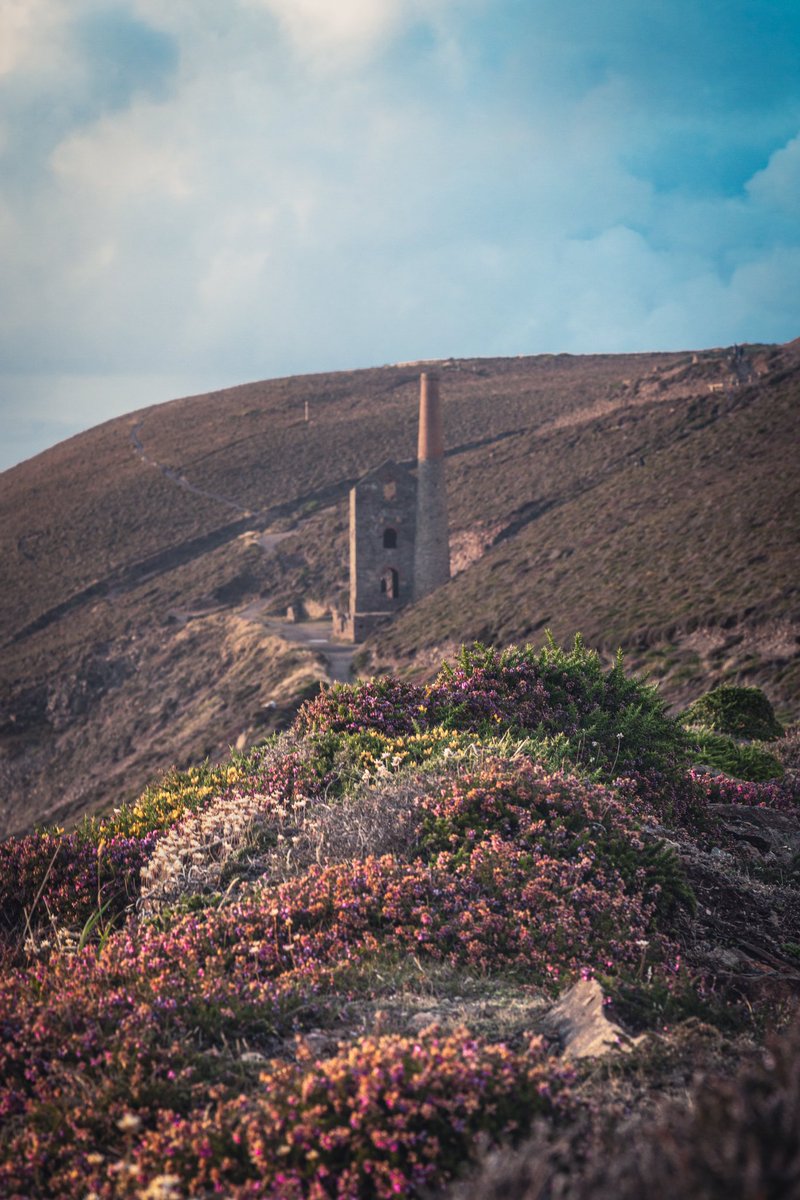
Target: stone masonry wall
382,504
432,562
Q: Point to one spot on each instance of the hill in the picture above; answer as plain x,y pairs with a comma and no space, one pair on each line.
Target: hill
650,500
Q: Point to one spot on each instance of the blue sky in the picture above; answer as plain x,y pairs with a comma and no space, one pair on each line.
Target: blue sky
197,194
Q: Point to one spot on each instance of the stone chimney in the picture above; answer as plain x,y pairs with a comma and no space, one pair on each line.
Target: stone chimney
432,552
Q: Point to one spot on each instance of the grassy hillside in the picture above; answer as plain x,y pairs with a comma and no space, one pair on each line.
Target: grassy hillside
671,530
425,923
617,494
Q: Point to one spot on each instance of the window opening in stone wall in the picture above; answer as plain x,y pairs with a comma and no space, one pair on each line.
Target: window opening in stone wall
390,490
390,584
390,539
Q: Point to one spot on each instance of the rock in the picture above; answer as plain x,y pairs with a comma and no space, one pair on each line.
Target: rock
314,610
253,1057
319,1043
773,833
421,1020
727,957
579,1021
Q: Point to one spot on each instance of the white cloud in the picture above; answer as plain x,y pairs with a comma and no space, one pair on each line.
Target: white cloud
778,185
352,28
352,202
122,157
32,35
336,34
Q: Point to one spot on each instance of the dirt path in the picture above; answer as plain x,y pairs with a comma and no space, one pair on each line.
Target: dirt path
738,365
313,635
316,635
180,480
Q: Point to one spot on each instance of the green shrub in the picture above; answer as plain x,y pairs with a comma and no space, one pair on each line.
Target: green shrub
599,719
742,762
614,724
742,712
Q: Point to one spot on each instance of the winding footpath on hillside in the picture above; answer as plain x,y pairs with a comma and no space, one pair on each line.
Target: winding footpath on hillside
743,373
180,480
315,636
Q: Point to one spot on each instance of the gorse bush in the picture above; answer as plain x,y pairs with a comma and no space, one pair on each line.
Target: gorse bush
607,722
743,762
725,714
161,805
377,756
742,712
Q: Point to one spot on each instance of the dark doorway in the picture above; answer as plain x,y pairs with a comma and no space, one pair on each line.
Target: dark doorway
390,583
390,539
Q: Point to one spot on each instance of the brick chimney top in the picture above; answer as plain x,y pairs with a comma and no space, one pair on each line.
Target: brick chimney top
431,431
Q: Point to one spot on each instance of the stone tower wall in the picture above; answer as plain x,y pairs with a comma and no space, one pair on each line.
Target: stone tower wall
382,504
432,555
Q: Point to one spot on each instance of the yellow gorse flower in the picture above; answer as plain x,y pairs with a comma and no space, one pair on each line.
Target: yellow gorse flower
164,804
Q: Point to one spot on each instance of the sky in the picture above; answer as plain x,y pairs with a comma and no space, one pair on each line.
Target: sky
196,194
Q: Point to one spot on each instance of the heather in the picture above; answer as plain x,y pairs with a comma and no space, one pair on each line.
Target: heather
60,882
269,977
144,1023
737,1137
599,719
388,1116
779,794
614,724
53,884
99,698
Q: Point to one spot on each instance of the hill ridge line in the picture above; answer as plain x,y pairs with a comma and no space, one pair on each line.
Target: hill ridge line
133,574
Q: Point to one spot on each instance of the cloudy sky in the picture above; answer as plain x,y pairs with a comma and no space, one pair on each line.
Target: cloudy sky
195,194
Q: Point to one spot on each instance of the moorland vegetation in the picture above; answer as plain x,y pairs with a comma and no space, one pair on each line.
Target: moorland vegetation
323,968
148,561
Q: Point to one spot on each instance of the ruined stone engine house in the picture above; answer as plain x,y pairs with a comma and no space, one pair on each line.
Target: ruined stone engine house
399,542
